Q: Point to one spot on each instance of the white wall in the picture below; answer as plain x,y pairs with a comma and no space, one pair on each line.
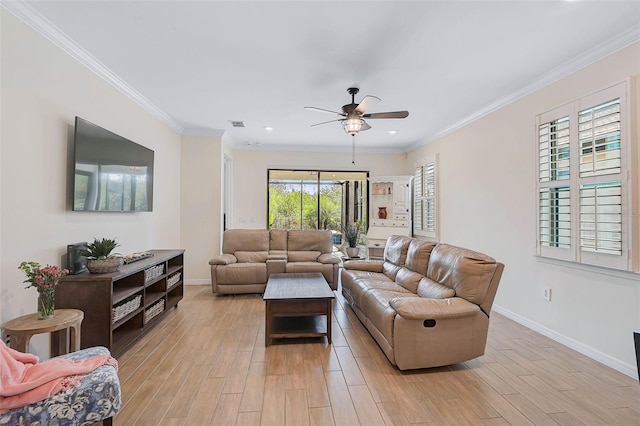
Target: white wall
250,176
42,90
201,203
487,202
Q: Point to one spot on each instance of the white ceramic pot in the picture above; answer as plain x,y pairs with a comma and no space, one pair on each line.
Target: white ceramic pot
352,251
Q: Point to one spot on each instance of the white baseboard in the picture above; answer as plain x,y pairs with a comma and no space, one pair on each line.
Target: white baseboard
609,361
199,281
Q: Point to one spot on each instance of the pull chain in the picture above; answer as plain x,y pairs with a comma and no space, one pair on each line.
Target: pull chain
353,149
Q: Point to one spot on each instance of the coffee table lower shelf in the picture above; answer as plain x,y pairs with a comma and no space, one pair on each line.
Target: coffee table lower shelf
293,327
297,318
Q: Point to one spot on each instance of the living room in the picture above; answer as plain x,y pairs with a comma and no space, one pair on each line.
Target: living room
486,188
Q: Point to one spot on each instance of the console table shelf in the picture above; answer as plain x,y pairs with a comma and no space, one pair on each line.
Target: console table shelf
97,295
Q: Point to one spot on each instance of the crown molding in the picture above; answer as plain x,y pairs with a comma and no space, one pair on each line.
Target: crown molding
598,53
24,12
42,26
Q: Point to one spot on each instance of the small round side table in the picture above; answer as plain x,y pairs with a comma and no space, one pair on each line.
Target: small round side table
63,322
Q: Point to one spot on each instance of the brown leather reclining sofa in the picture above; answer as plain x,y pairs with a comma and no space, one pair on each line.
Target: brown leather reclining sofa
249,256
426,304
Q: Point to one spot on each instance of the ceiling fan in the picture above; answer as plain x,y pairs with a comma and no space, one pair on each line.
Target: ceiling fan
354,114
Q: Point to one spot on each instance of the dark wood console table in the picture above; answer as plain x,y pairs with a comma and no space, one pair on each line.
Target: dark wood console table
120,307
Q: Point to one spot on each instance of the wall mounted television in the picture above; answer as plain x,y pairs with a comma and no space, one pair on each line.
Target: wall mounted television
111,173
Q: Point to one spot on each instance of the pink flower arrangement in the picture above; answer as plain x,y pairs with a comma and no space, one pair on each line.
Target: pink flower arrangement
42,277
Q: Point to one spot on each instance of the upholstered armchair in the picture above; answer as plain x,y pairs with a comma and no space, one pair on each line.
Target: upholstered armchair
95,398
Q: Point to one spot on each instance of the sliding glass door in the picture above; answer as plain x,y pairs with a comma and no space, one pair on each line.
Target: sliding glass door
312,199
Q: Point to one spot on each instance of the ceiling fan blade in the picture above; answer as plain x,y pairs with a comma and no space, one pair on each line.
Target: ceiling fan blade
394,114
367,101
325,122
323,110
365,126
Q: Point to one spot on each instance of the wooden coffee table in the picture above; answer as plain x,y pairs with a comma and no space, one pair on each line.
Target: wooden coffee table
295,304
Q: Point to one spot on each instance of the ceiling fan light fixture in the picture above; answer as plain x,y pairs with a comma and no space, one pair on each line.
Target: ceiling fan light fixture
352,125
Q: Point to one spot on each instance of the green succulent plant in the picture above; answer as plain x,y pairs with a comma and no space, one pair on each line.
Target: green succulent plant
100,249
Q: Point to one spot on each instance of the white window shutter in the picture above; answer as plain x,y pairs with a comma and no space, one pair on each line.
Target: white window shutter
584,199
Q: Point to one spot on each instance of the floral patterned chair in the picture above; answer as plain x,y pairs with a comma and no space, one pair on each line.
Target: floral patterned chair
96,398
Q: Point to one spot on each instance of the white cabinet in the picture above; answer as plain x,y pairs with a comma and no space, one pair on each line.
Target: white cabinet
400,198
389,211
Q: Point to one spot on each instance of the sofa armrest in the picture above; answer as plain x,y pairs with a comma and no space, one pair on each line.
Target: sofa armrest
277,256
223,259
420,308
364,265
328,258
276,265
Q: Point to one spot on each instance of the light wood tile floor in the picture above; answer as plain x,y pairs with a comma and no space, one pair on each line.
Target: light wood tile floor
205,363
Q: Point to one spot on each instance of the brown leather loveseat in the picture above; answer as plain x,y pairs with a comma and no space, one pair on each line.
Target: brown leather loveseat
249,256
426,304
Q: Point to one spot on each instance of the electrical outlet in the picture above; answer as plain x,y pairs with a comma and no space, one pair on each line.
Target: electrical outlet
547,294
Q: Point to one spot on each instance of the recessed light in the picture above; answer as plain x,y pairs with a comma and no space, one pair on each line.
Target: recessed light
268,128
392,132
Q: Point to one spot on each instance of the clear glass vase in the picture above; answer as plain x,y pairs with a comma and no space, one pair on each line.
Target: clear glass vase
46,302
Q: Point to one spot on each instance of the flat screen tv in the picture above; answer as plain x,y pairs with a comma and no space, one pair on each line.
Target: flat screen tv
111,173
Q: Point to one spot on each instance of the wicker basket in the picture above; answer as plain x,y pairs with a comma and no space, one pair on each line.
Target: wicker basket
153,272
123,309
104,266
153,311
173,279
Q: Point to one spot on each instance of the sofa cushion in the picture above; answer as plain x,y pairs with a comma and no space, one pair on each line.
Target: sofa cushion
390,270
303,256
278,239
375,305
433,290
242,273
408,279
468,272
251,256
321,241
350,277
396,249
379,282
245,239
418,255
325,269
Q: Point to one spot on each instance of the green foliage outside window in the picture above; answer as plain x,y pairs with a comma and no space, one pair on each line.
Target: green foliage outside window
291,208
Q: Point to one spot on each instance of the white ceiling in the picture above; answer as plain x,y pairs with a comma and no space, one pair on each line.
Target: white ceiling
198,65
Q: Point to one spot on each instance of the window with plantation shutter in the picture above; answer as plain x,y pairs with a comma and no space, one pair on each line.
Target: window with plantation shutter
584,194
425,199
555,217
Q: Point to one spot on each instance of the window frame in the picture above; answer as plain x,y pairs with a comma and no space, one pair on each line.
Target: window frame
628,258
418,225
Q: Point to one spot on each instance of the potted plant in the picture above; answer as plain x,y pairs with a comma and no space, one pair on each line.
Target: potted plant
99,257
352,235
44,279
